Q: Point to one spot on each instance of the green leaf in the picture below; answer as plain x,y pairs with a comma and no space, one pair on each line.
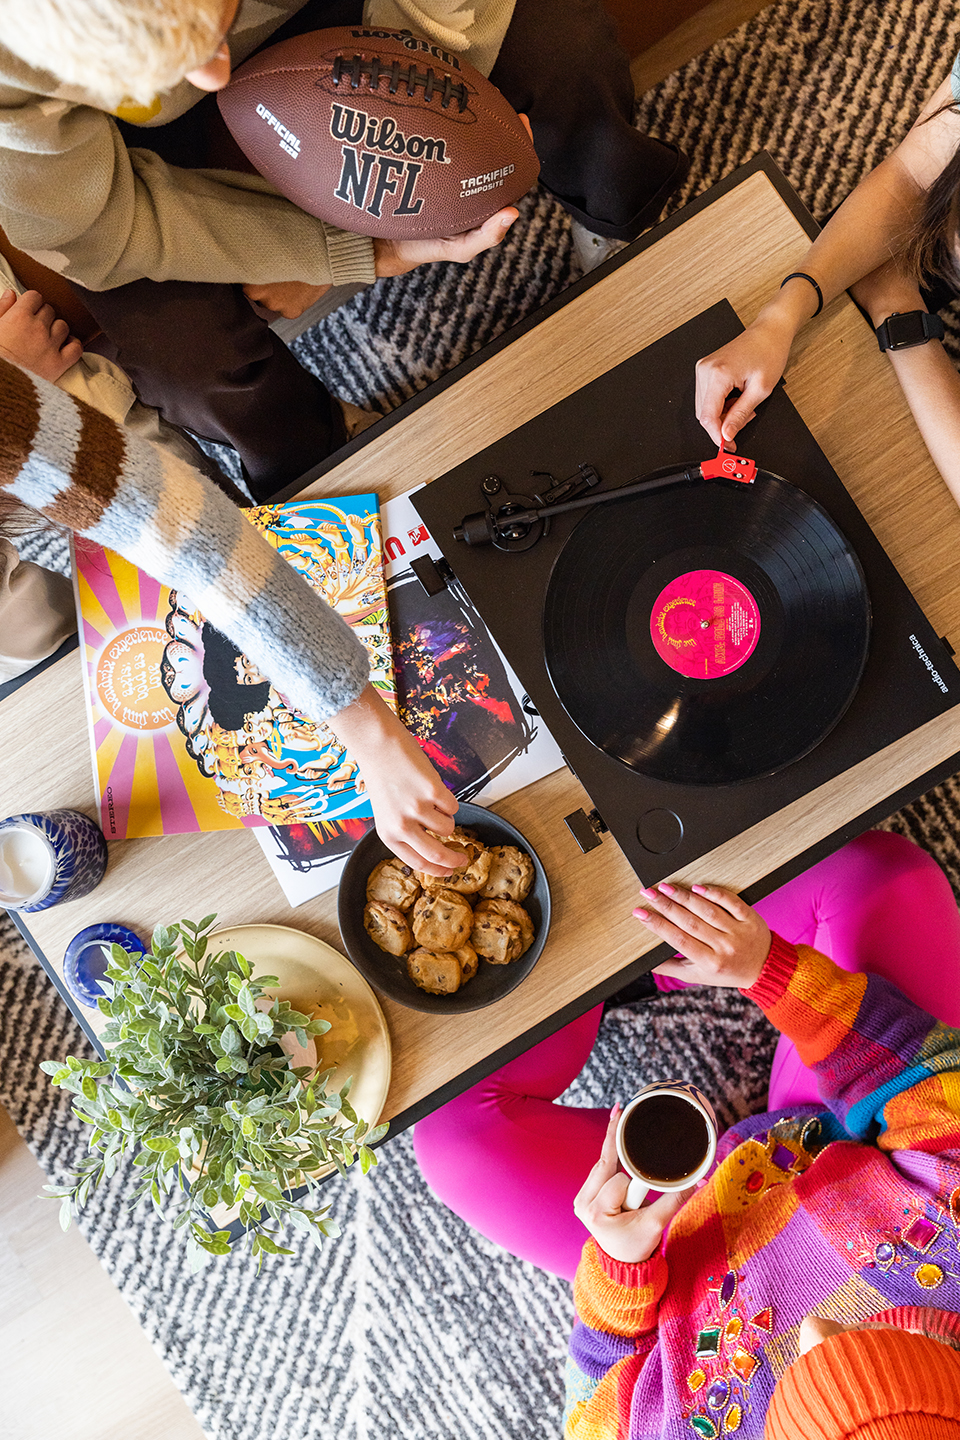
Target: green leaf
162,1144
268,1191
230,1040
367,1159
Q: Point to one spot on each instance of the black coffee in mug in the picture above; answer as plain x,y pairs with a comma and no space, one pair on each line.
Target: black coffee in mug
665,1138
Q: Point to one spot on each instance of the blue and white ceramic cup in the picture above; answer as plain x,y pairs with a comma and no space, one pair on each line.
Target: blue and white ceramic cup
47,857
686,1144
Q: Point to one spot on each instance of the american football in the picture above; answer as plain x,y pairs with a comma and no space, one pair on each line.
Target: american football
379,132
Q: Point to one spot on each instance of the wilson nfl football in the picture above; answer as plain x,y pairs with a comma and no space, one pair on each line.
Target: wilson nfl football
379,132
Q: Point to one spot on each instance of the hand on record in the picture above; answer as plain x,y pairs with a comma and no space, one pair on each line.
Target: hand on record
721,939
751,364
631,1236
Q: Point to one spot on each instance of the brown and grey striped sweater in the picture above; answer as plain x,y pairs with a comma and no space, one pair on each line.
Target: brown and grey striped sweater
80,469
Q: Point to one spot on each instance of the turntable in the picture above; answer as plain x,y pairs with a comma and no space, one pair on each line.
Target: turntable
707,638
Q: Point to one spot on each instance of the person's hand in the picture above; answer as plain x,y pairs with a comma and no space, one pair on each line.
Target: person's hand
32,335
409,802
723,940
885,290
397,257
751,364
289,298
409,799
631,1236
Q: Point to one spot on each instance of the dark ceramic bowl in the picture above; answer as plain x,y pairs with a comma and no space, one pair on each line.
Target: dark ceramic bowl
389,972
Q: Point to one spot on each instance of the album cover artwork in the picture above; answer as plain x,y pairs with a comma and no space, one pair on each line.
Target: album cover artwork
187,735
457,695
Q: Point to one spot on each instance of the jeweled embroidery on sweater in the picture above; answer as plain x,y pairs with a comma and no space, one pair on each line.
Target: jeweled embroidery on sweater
799,1216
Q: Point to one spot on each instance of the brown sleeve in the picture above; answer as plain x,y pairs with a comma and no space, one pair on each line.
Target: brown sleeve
37,612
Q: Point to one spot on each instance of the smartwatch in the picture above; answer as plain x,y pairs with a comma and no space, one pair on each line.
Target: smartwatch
913,327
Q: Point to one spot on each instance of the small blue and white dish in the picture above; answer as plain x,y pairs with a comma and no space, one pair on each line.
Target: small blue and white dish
86,959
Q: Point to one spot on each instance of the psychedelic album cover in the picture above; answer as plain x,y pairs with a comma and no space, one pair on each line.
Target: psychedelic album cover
187,734
457,695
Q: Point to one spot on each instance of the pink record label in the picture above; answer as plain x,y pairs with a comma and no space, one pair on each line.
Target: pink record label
705,624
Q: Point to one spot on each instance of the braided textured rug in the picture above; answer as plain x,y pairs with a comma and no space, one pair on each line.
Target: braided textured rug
410,1327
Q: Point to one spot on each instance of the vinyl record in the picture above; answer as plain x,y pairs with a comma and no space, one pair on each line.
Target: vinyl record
707,634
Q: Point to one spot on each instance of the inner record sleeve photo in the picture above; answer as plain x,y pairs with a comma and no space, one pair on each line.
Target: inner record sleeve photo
709,651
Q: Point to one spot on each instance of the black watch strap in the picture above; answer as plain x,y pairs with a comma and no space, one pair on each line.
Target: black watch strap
912,327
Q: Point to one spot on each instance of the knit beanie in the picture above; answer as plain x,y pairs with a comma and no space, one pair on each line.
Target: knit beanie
874,1384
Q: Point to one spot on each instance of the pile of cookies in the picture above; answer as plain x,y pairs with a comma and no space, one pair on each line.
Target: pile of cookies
446,924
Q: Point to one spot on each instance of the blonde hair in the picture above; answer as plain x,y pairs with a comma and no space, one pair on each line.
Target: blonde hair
114,49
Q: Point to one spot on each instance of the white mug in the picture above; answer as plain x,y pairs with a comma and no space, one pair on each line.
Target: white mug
640,1184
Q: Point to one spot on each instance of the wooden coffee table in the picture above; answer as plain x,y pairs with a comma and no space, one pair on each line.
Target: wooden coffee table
737,241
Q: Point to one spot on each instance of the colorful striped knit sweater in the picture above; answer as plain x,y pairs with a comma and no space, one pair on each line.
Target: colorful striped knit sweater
847,1213
67,460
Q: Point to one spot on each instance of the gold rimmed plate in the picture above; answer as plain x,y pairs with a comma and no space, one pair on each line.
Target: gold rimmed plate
317,979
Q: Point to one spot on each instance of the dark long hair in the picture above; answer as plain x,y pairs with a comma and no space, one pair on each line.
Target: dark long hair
932,249
229,702
16,518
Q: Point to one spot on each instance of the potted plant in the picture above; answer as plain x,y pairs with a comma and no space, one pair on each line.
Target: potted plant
198,1083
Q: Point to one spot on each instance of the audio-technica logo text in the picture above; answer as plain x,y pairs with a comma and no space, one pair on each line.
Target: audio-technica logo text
934,675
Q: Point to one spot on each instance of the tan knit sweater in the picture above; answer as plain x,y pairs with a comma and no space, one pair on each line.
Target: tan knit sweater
73,196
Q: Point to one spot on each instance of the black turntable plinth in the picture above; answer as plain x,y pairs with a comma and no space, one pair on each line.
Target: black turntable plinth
707,646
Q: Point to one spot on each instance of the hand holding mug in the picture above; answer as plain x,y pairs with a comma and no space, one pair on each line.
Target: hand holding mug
723,941
666,1140
628,1235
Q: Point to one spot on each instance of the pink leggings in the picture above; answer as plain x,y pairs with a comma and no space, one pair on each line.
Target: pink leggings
508,1159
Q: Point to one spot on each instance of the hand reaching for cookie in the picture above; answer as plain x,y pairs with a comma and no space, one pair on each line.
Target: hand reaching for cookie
722,940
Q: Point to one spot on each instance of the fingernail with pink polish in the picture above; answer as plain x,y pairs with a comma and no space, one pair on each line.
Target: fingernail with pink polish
641,914
699,889
666,889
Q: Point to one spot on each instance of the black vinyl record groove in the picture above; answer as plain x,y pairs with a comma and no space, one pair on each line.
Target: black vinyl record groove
802,589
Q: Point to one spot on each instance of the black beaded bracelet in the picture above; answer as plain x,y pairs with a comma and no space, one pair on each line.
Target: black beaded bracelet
802,275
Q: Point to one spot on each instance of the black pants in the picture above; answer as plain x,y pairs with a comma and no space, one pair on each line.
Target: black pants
202,356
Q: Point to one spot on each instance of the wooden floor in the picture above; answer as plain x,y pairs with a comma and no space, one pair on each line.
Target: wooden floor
70,1346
